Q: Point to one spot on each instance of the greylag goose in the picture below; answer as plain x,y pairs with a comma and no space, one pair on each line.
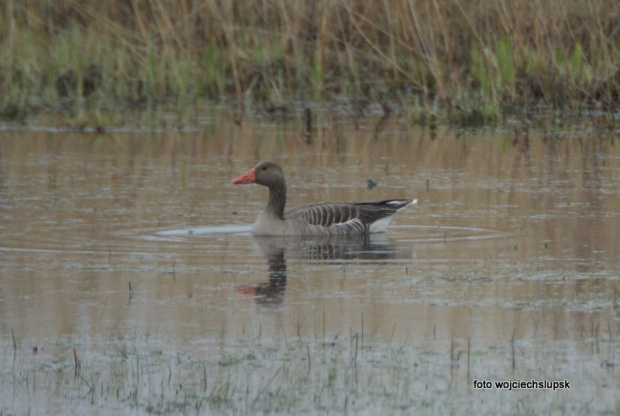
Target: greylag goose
316,219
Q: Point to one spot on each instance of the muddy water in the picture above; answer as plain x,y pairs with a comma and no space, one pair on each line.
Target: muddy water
138,241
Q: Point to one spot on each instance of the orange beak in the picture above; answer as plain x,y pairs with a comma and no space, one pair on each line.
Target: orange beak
248,177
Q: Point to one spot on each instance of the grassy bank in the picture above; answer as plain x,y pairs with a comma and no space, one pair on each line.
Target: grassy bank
466,61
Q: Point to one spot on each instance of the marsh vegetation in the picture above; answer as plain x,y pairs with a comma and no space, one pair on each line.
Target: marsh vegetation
467,62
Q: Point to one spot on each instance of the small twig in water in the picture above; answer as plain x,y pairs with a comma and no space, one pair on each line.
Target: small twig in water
309,359
308,119
512,347
362,332
355,354
78,364
468,352
90,385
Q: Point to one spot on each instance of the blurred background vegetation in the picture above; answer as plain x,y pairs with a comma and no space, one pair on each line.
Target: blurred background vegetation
467,61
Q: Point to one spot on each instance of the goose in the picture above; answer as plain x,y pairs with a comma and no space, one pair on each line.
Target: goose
340,218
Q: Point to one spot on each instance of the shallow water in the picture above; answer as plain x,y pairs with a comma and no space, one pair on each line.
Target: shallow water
132,251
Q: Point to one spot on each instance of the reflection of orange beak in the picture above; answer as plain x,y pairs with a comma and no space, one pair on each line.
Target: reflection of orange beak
248,177
247,290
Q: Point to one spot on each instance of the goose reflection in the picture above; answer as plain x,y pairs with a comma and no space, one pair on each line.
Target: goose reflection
353,249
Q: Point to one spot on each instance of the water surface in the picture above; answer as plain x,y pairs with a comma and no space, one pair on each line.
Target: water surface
131,251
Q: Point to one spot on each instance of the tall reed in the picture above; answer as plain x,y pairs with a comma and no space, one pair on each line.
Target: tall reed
453,55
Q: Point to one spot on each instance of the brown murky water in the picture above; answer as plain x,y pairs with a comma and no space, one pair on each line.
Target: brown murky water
131,252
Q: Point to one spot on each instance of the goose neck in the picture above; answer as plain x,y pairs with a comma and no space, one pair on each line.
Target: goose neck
277,200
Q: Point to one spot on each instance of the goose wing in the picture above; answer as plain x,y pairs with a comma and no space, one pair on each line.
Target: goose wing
352,217
324,214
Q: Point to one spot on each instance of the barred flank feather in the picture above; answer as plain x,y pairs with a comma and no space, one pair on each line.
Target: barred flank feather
346,218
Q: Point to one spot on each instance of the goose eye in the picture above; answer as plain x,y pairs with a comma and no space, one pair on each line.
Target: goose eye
263,168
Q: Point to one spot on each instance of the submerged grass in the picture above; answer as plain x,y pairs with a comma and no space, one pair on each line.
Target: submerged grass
466,61
300,375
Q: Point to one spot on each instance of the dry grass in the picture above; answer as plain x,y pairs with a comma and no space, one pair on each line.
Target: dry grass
466,60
